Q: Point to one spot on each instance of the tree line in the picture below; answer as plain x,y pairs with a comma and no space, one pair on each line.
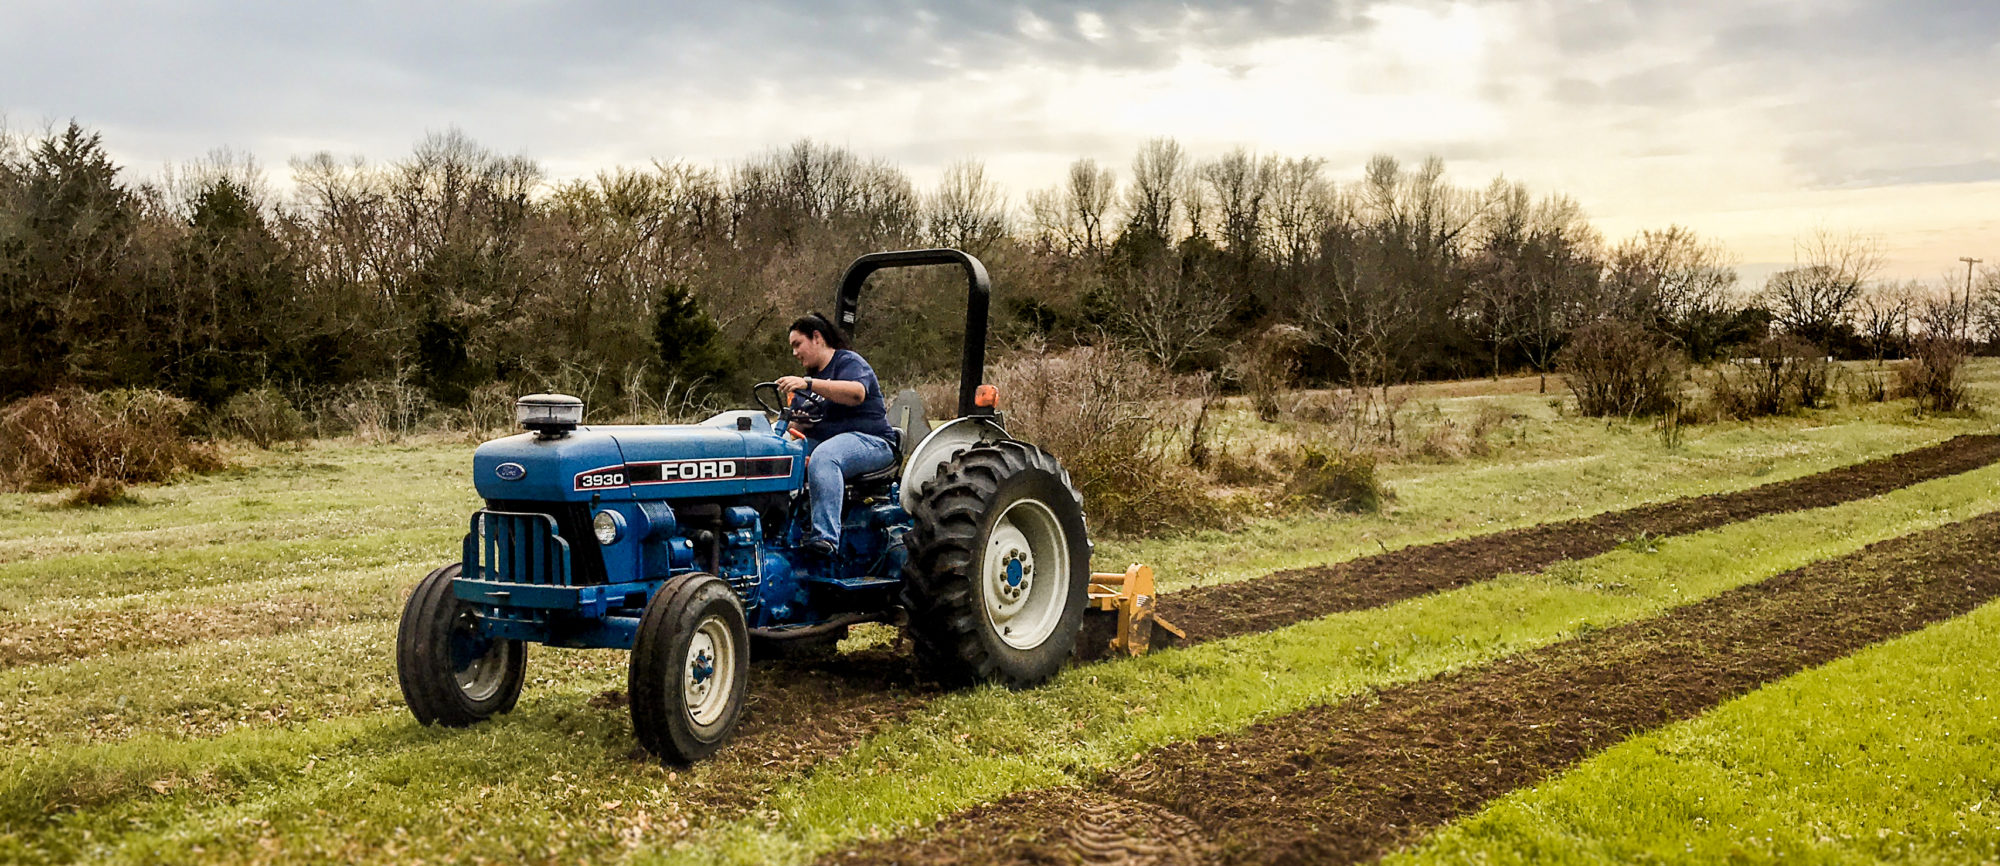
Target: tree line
457,269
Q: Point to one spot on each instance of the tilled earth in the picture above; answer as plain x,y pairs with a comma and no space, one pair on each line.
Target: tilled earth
1350,781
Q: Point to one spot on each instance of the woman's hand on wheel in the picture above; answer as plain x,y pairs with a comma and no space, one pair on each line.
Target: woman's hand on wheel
789,385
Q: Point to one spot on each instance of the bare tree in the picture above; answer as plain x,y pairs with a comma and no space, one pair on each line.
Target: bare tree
1238,184
1195,203
1303,203
1533,277
1882,315
1815,298
1986,304
967,211
1070,217
1355,311
1170,310
1943,312
1152,201
1675,284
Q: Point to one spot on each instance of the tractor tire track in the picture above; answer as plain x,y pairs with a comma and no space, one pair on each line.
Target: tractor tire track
1351,781
1286,597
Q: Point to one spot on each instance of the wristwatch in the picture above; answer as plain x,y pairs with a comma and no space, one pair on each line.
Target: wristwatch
809,384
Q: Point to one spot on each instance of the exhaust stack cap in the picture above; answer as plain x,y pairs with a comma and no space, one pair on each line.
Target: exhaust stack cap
550,416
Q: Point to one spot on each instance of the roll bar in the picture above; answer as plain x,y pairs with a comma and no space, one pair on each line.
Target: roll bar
979,288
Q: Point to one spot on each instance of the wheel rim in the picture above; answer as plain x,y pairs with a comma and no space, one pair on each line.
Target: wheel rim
1025,574
478,663
709,676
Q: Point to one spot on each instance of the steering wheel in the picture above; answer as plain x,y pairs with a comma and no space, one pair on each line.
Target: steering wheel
774,405
809,411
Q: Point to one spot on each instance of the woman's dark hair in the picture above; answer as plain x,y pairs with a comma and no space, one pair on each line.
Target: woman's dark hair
814,323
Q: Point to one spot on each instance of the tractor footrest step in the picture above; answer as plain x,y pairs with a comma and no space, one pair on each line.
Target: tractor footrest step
852,582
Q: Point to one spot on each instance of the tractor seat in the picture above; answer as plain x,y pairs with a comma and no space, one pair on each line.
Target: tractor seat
906,415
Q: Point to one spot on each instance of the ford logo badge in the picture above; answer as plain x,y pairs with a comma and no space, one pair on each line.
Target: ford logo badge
511,471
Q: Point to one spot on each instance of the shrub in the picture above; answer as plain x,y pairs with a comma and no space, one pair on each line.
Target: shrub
1615,368
1335,478
98,492
383,410
1447,442
1266,366
1870,386
262,417
490,408
1931,377
1776,376
74,437
1230,469
1107,415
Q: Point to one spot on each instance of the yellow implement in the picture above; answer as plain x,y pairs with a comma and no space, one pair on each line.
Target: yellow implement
1132,596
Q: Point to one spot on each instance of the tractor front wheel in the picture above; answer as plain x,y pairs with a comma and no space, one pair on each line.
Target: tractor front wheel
452,674
999,567
690,668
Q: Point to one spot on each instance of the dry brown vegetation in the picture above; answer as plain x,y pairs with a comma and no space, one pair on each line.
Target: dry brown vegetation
1100,410
102,440
1933,377
1616,368
1777,376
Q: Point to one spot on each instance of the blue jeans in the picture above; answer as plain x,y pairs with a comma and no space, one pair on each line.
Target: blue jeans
833,462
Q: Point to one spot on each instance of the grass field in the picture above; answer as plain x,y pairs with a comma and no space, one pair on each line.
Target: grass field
207,675
1887,755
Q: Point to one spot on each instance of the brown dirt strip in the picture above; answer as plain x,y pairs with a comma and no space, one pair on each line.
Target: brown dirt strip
1286,597
1348,782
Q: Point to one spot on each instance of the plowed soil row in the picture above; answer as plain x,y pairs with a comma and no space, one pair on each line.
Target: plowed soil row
1347,782
1287,597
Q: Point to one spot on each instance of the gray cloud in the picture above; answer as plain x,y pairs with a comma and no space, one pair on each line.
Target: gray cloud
1862,92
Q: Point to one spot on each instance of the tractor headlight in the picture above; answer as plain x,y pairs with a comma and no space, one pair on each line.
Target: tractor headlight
608,526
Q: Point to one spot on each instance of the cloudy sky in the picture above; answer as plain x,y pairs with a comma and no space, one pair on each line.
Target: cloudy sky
1752,121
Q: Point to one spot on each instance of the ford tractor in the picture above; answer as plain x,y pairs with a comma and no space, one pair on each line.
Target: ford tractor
682,544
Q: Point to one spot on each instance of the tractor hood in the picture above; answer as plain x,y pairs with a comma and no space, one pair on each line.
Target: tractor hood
731,454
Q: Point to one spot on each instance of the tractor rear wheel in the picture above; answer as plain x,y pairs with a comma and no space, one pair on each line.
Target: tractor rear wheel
999,567
690,668
451,673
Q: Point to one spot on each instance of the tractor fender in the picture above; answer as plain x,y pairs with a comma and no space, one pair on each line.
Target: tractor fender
940,446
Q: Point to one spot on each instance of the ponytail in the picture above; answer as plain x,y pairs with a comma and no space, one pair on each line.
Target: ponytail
814,323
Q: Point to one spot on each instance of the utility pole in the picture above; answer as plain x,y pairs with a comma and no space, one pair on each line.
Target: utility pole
1969,262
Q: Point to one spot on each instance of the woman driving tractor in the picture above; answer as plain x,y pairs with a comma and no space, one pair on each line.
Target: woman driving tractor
849,435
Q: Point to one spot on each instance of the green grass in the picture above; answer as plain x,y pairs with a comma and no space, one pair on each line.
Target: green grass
296,744
1888,755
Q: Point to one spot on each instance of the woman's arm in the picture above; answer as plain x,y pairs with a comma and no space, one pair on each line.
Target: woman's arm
838,390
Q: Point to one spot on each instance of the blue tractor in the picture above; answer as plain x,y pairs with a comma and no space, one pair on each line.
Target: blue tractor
681,543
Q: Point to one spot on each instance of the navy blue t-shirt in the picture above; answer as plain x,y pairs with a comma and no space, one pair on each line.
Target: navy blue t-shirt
869,417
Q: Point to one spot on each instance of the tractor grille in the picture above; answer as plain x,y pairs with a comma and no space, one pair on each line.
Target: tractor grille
572,525
516,548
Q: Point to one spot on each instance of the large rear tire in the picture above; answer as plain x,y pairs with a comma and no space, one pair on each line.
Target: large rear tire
690,668
999,567
451,674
